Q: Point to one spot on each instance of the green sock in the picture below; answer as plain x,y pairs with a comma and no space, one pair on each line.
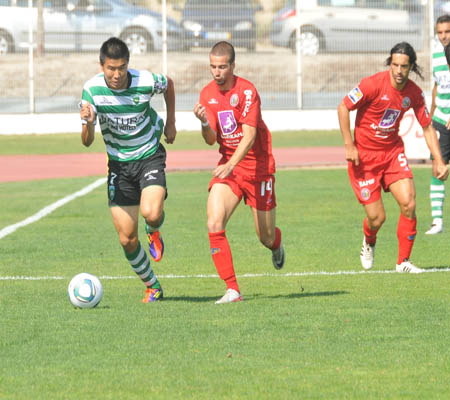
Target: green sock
140,263
437,195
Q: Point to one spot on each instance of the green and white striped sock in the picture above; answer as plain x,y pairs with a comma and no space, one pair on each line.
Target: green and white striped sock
437,195
140,263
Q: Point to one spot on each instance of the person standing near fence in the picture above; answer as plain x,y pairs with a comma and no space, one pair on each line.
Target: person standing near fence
120,98
376,157
229,110
440,112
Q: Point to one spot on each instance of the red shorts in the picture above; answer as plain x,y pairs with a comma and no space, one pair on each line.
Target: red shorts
258,193
377,169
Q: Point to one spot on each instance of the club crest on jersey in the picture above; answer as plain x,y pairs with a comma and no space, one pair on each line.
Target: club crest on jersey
227,122
234,100
389,118
136,99
406,102
355,95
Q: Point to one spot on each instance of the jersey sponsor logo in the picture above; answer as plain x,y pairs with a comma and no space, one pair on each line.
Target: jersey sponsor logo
355,95
406,102
234,100
365,194
248,101
227,122
213,101
121,123
389,118
366,182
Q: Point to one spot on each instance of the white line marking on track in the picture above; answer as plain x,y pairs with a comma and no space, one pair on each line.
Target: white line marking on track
52,207
206,276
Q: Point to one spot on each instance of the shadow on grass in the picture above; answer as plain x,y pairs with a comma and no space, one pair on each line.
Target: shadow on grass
256,296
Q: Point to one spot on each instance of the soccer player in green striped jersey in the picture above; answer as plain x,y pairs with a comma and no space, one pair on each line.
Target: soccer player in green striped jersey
440,111
119,98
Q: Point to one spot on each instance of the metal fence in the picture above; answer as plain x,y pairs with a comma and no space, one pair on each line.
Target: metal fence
299,53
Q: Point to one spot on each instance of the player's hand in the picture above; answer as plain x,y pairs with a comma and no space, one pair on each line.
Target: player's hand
200,113
170,132
87,112
223,170
351,154
442,172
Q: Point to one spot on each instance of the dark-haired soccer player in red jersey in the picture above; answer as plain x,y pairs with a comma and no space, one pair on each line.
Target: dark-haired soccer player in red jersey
376,155
230,113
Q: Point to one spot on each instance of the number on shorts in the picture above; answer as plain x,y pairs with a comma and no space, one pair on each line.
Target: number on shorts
402,160
113,176
266,186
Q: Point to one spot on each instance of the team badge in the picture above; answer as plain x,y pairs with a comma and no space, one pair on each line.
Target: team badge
389,118
406,102
365,194
355,95
234,100
111,192
227,122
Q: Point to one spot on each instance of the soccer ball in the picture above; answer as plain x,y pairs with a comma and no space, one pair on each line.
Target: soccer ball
85,290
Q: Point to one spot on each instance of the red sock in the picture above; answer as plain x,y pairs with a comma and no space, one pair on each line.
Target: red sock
370,234
223,260
406,233
277,242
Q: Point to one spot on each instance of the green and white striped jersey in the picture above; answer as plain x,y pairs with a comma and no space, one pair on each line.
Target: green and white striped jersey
131,128
441,75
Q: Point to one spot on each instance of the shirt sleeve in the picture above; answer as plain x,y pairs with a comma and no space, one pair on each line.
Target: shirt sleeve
359,95
251,111
160,83
421,111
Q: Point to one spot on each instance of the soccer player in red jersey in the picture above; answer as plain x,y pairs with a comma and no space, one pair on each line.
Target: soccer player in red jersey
230,113
376,157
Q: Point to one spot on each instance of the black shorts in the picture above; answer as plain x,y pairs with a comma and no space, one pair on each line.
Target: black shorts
444,140
126,180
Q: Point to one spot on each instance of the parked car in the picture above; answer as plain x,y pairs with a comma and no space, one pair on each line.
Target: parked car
349,25
78,25
207,22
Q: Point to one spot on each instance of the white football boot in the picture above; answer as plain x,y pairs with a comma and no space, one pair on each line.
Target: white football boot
436,227
230,296
408,266
367,254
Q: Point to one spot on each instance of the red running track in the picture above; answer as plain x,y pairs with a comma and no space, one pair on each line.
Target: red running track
38,167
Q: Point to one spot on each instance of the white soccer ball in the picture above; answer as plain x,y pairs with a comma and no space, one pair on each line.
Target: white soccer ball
85,290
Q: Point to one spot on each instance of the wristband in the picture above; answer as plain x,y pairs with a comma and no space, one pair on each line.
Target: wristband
205,124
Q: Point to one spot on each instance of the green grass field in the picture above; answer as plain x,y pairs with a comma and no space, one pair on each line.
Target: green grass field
319,329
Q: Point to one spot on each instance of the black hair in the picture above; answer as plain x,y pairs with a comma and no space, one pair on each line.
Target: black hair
224,49
407,49
115,49
443,18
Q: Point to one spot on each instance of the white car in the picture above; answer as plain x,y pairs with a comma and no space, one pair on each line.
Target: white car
349,25
83,25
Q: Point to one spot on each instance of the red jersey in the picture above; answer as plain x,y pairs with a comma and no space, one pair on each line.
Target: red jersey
227,111
380,110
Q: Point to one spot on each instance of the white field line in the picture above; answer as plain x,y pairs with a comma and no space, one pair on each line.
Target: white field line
213,276
49,209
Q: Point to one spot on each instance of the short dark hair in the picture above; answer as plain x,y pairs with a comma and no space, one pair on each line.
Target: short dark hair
407,49
224,49
443,18
114,48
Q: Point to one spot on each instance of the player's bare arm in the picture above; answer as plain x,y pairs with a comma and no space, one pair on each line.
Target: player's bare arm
249,132
433,99
170,130
87,129
351,153
208,133
439,166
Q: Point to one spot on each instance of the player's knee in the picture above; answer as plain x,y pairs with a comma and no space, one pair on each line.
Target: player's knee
375,221
152,216
408,208
129,243
215,225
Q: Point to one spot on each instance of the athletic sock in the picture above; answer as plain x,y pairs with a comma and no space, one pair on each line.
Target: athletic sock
277,242
406,233
151,229
370,234
140,262
222,258
437,196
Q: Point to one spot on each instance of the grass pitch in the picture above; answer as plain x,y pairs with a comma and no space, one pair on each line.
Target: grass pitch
319,329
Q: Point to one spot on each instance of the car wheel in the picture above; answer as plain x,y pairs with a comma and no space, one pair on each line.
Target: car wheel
311,42
5,44
138,41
